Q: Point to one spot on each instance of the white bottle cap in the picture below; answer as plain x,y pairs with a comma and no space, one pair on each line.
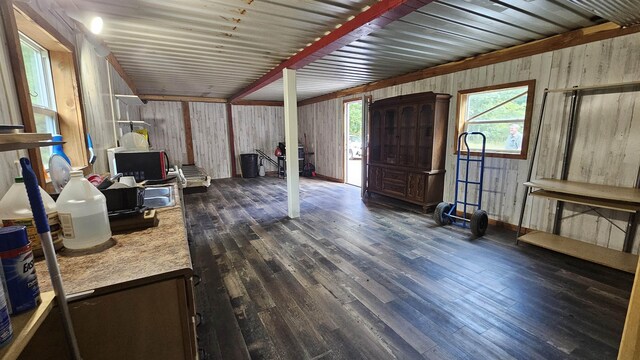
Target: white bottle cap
77,173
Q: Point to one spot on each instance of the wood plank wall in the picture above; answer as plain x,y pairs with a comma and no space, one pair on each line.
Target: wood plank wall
324,125
210,139
606,150
166,130
606,147
257,127
260,127
101,108
95,93
307,125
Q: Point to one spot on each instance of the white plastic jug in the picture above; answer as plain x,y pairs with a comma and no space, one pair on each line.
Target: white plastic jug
82,210
16,210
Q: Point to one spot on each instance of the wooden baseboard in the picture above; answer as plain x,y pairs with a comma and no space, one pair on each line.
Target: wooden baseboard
329,178
502,224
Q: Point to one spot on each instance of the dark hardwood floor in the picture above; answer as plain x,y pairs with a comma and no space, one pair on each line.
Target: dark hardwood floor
379,280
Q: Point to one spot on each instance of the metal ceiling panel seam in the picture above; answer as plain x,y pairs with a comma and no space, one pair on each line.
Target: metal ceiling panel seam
621,12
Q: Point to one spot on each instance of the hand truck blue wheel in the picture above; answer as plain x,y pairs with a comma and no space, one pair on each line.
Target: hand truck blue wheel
447,213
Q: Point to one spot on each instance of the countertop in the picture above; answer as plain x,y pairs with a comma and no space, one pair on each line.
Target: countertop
127,260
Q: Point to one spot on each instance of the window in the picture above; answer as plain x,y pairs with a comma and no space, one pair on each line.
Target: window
38,71
502,113
48,83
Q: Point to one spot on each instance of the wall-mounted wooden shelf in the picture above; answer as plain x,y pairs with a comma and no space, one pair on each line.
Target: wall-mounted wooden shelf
135,122
582,250
130,99
21,141
23,137
25,326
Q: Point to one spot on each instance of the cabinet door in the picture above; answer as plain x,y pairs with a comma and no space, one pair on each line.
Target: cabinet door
152,321
375,144
425,136
416,186
407,129
375,178
390,136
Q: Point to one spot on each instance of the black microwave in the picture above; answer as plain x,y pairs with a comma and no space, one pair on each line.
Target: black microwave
143,165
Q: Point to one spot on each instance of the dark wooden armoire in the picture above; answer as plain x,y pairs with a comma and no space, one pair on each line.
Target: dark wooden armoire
407,147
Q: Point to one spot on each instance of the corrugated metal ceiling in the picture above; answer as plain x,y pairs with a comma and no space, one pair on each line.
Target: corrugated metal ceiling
622,12
217,47
441,32
208,47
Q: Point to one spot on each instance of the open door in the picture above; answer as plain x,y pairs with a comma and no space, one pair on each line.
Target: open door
353,125
365,142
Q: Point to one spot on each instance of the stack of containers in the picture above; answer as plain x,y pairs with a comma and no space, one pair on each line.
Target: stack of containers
20,291
85,223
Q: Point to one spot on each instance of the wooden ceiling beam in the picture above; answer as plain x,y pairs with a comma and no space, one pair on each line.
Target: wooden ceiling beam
188,99
258,103
557,42
377,16
149,97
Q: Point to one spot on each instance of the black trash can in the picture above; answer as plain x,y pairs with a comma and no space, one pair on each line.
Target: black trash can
249,165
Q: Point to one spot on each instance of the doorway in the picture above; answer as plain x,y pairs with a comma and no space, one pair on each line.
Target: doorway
353,142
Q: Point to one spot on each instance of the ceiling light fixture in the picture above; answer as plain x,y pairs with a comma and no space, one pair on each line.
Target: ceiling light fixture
96,25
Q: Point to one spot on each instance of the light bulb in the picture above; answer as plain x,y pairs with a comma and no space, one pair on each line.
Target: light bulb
96,25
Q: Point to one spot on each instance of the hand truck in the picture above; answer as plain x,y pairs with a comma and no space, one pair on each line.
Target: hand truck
446,213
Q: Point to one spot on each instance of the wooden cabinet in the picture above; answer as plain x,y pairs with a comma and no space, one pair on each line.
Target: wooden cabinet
132,299
407,144
152,321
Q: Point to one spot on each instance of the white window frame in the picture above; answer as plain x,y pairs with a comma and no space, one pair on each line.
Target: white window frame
49,110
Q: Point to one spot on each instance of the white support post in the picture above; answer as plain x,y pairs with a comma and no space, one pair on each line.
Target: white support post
291,140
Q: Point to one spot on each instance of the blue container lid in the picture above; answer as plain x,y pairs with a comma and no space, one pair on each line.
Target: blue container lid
13,237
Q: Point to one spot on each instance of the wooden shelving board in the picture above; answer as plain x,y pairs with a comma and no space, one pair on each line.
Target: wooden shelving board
604,192
130,99
582,250
28,145
23,137
25,326
584,200
20,141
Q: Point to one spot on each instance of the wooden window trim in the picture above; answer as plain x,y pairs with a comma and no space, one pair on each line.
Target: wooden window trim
461,106
64,71
20,79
